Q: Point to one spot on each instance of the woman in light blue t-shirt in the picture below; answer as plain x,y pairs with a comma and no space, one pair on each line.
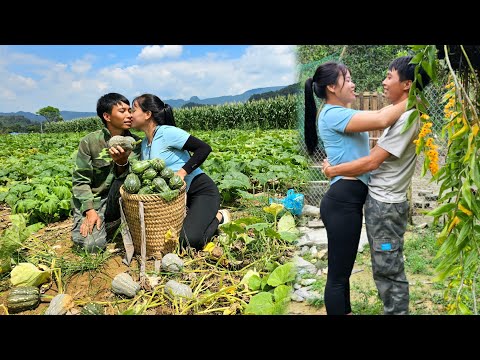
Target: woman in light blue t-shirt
344,133
166,141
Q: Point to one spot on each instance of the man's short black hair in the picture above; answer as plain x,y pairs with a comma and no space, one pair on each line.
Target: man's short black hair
406,71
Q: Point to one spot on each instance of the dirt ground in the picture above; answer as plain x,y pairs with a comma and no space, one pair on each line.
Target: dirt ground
87,286
94,285
363,280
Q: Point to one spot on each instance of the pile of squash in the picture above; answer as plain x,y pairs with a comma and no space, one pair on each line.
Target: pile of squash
153,177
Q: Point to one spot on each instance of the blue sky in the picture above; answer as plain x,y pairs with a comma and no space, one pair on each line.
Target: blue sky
73,77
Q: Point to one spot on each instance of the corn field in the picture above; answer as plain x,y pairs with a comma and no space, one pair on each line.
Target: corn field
265,114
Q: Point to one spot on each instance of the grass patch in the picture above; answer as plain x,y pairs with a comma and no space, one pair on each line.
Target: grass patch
419,251
366,301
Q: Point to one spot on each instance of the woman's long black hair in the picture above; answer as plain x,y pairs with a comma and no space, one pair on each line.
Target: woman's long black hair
326,74
162,113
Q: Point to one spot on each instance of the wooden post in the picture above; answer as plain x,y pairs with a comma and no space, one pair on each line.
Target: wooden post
374,102
366,101
359,102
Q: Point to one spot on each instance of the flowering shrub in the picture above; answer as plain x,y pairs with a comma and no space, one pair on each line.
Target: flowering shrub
458,198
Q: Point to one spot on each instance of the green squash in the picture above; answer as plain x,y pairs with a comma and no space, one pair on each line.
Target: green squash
145,190
158,164
126,142
150,174
23,298
60,304
92,309
175,182
159,184
123,284
146,182
132,183
167,173
138,167
169,195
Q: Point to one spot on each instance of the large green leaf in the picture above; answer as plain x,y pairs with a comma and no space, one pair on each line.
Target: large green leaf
260,304
239,177
427,66
62,192
280,307
287,224
23,206
288,236
259,226
441,209
282,292
463,238
48,207
411,119
282,274
26,274
417,58
467,193
231,229
20,188
254,282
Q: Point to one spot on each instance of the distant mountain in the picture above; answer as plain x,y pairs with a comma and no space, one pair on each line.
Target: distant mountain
67,115
191,104
222,99
28,115
287,90
175,103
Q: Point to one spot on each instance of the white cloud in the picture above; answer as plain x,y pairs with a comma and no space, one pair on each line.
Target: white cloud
157,52
78,85
7,94
81,66
22,82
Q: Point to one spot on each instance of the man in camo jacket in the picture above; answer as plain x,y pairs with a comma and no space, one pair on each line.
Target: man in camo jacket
392,165
96,182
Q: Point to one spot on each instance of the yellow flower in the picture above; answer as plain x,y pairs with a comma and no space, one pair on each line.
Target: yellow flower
425,116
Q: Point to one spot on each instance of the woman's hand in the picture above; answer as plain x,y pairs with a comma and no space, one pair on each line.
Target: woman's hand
182,173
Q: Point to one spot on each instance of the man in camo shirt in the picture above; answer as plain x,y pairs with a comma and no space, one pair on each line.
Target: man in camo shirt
96,182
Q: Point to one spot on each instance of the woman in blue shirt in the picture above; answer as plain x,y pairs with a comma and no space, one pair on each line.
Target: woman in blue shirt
166,141
344,133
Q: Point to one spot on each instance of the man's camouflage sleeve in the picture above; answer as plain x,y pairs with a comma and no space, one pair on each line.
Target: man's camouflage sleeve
92,176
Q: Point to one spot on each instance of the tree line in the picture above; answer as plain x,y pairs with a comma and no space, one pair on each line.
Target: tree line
17,123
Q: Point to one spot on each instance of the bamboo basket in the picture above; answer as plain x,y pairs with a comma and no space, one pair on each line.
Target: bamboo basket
160,216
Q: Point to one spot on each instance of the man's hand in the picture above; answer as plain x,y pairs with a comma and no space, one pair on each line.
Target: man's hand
326,168
91,218
119,155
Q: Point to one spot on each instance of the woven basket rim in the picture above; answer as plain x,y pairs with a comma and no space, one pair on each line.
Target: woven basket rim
155,196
